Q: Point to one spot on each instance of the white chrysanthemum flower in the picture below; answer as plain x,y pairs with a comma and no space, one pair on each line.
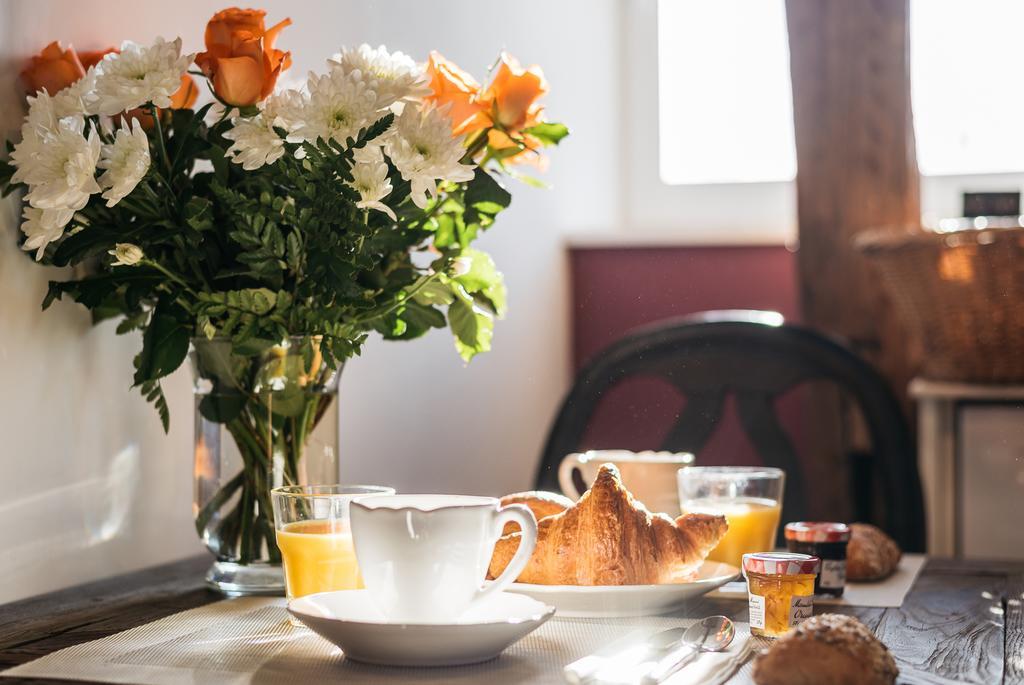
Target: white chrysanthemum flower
394,76
285,109
43,226
422,148
337,106
59,165
126,254
139,75
78,97
255,142
42,116
370,179
126,161
219,111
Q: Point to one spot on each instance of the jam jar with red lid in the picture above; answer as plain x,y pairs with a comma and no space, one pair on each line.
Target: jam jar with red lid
780,590
826,540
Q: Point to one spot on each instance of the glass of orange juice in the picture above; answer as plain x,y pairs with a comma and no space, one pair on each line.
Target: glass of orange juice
314,536
750,498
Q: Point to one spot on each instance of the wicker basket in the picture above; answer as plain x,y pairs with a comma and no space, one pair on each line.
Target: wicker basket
962,294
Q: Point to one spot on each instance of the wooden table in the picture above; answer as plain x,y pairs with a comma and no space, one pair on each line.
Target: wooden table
962,622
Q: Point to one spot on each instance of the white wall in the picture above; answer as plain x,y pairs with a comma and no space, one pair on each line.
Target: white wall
93,487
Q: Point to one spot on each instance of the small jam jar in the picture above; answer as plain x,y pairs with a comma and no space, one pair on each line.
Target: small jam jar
780,588
827,541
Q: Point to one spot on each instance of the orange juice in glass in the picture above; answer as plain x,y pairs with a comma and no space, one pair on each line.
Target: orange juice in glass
750,498
314,537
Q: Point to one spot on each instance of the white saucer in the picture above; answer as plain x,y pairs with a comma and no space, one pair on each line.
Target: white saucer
350,620
592,601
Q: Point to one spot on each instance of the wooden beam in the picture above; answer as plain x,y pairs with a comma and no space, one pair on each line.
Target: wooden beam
850,68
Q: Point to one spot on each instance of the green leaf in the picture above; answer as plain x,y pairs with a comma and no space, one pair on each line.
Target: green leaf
444,233
199,213
483,278
252,347
434,292
220,163
549,133
473,328
206,327
415,320
152,391
96,291
85,243
294,252
216,362
486,194
131,322
221,407
263,300
164,346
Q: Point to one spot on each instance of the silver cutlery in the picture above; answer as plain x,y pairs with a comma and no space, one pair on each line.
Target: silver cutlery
711,634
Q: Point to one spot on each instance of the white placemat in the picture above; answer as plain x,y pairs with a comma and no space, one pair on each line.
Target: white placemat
885,593
250,641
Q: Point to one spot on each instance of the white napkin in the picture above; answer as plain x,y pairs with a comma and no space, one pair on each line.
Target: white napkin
627,663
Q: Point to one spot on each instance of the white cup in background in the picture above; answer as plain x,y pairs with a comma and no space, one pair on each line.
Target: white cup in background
424,558
650,476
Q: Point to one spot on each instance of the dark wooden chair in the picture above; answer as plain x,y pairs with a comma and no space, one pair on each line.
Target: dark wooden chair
756,357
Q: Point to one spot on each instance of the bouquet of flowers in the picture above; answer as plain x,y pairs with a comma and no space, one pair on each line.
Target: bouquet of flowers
281,226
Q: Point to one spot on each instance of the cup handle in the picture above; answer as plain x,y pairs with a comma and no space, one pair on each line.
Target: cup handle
515,513
565,480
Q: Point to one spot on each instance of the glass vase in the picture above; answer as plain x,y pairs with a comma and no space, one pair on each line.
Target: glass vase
264,417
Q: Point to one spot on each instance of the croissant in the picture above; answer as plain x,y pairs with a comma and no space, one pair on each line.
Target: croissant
541,503
609,538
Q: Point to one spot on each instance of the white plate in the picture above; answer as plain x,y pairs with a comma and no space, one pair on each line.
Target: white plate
349,619
591,601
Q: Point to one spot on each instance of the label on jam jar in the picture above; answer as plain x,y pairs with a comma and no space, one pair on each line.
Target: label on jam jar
800,608
833,574
756,611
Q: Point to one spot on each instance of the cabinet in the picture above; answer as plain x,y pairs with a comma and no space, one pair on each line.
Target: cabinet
971,460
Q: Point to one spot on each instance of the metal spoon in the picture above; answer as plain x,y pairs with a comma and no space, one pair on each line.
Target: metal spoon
712,634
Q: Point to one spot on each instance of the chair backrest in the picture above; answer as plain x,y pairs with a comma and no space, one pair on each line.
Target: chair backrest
756,357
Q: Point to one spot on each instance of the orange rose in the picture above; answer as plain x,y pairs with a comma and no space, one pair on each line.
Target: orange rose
240,58
52,70
513,94
453,87
186,95
529,149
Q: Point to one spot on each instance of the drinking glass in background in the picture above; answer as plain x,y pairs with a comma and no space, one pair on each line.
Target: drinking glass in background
315,538
750,498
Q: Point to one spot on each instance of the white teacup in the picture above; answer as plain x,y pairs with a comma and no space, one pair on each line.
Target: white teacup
650,476
424,558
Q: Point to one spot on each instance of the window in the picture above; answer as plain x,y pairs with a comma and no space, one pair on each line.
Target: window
966,88
725,100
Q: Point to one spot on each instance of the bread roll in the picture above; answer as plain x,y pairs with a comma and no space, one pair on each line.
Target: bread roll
829,649
871,554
